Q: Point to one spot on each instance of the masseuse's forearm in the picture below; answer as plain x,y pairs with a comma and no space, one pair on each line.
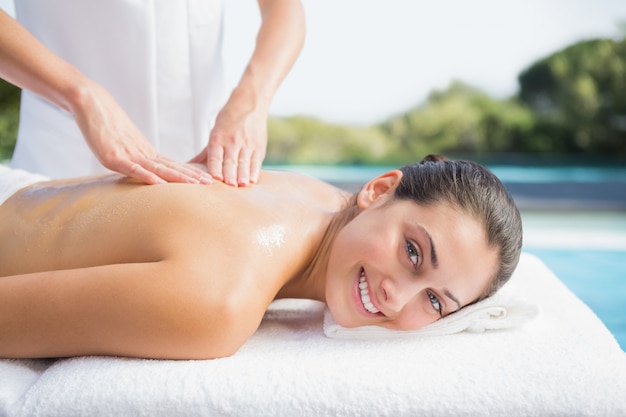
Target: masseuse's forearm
278,44
110,133
28,64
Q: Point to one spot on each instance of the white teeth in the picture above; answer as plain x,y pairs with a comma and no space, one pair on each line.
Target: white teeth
365,295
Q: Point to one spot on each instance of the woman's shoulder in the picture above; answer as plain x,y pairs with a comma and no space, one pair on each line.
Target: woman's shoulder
306,188
281,190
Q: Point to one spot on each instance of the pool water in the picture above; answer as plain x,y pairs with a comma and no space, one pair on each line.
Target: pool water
507,174
587,251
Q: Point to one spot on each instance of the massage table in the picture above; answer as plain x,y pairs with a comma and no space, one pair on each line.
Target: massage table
562,362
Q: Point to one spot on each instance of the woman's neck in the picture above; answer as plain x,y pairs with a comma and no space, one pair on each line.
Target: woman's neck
311,283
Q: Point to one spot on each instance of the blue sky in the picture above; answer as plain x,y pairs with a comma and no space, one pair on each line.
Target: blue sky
365,60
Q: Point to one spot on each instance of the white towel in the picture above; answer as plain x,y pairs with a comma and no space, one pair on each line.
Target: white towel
12,180
500,311
563,363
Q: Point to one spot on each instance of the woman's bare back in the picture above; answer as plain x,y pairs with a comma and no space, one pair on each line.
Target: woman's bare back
104,220
233,249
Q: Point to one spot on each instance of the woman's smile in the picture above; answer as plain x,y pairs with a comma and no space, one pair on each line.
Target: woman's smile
365,298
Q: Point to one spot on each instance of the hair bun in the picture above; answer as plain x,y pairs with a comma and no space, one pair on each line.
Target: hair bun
433,158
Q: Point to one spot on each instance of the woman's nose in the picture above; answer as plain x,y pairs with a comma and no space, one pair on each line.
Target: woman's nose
398,291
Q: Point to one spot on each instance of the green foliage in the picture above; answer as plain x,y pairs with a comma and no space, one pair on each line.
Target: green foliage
578,96
9,118
460,119
572,101
306,140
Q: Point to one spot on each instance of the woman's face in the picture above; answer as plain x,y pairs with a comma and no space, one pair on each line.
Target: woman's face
401,265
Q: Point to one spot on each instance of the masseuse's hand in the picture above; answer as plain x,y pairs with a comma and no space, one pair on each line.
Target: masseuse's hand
115,140
237,143
120,146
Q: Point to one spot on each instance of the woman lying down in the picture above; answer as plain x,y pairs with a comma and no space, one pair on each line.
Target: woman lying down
107,266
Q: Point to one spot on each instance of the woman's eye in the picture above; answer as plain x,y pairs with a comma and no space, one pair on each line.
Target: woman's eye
434,301
411,251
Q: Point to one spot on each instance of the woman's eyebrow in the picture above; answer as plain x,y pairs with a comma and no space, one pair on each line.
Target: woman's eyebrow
453,298
434,262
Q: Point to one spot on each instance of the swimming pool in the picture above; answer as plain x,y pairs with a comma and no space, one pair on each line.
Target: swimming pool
587,251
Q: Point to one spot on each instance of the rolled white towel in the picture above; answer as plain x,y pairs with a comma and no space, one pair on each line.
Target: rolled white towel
500,311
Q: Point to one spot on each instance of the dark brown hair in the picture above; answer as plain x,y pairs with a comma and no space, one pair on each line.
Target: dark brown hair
476,191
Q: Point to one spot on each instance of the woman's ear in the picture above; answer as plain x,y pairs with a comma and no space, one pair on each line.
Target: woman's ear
379,187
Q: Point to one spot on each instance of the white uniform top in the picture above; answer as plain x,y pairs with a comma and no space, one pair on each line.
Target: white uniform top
160,59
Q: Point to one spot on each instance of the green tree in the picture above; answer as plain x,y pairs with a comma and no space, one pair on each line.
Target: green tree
9,118
461,119
579,98
308,140
571,101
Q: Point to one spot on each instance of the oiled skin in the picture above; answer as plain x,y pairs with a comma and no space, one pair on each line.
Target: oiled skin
109,266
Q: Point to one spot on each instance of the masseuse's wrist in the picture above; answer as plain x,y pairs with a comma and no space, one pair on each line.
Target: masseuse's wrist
243,101
78,97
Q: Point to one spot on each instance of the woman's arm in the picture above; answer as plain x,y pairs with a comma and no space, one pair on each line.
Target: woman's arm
238,142
111,135
153,310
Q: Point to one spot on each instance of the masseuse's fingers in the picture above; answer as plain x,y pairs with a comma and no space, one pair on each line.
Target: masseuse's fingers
237,143
215,161
229,168
138,172
173,171
158,170
233,168
256,161
120,146
222,158
249,165
221,164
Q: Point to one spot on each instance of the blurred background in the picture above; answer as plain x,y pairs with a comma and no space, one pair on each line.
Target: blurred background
535,89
